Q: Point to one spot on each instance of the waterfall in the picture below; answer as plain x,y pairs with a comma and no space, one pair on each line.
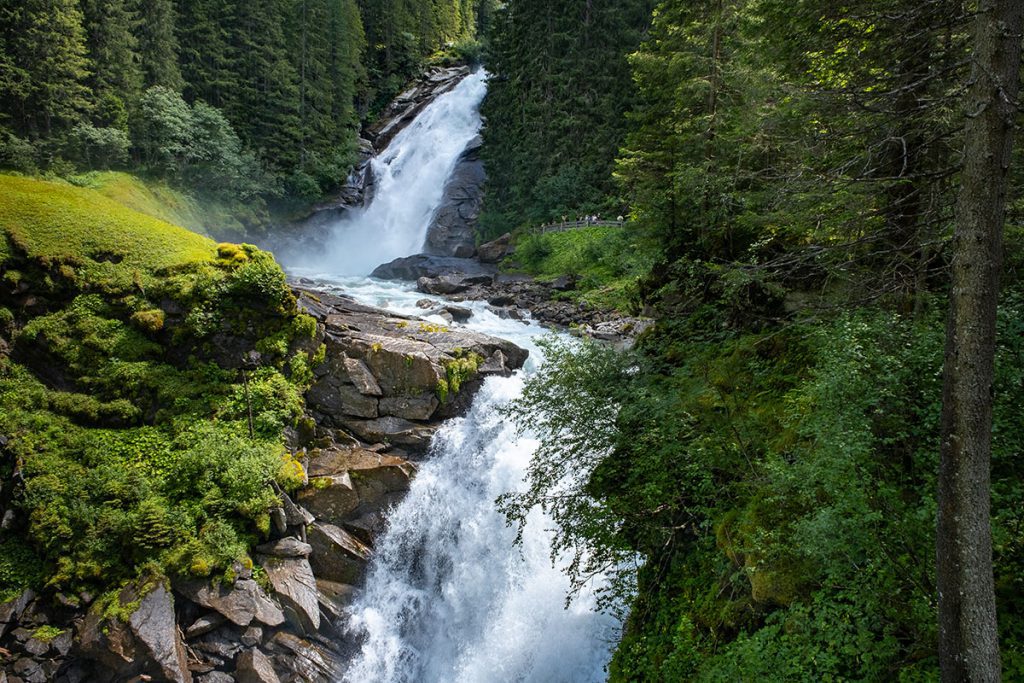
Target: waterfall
449,598
409,178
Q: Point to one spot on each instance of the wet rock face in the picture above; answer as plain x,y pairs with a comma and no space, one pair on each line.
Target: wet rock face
453,230
407,106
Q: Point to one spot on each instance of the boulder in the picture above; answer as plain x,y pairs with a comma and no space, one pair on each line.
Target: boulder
395,431
252,636
412,268
383,372
443,285
241,604
307,660
331,498
148,642
420,407
335,599
458,313
153,624
204,625
285,547
362,378
337,555
216,677
252,666
369,526
329,395
11,611
494,251
295,586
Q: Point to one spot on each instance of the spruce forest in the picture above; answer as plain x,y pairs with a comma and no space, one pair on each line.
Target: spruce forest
773,430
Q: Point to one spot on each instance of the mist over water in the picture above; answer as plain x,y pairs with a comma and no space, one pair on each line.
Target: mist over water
410,177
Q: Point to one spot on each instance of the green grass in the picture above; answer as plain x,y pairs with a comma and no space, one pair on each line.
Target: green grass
205,215
54,222
606,260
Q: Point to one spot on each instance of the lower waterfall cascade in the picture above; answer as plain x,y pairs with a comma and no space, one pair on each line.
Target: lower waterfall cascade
449,597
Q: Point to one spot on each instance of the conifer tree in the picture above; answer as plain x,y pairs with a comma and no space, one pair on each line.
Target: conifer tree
158,44
113,49
45,65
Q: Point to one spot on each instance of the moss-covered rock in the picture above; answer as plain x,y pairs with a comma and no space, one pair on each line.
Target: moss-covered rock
145,390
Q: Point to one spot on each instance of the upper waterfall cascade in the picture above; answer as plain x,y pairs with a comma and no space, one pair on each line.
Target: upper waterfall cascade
409,180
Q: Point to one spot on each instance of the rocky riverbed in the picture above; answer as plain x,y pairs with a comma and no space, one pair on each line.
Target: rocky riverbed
518,297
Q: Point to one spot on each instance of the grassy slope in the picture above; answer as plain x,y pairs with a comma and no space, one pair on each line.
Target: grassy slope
57,222
607,261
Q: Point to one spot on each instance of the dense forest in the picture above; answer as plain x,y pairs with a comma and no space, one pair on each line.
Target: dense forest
241,99
770,450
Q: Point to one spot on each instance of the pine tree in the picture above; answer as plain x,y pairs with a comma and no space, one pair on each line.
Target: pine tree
158,44
113,48
45,65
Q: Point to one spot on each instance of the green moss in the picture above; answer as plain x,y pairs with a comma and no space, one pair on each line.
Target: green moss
53,222
47,633
144,459
150,320
20,568
464,366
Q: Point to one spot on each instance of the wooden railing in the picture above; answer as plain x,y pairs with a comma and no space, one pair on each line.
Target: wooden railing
573,225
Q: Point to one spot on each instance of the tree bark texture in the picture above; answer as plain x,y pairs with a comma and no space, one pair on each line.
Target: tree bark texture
968,635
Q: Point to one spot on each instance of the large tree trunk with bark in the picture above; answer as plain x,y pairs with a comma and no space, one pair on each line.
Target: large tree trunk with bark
968,636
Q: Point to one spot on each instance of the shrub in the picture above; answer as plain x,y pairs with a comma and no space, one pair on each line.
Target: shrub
97,148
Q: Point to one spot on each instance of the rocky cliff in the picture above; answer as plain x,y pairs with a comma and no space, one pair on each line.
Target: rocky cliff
453,230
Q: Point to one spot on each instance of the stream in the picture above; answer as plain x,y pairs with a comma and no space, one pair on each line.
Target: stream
449,597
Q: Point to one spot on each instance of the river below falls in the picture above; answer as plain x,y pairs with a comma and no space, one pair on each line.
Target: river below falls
449,597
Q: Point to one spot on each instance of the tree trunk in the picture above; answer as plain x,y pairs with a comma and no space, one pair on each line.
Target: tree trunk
968,636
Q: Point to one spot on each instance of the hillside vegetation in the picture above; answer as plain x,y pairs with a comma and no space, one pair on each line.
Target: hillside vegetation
771,448
125,420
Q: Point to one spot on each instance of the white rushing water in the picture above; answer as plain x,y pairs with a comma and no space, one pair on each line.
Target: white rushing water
410,176
449,597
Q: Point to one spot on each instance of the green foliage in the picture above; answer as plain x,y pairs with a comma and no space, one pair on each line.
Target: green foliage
195,144
20,568
273,90
556,108
778,485
606,261
93,147
135,457
47,633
